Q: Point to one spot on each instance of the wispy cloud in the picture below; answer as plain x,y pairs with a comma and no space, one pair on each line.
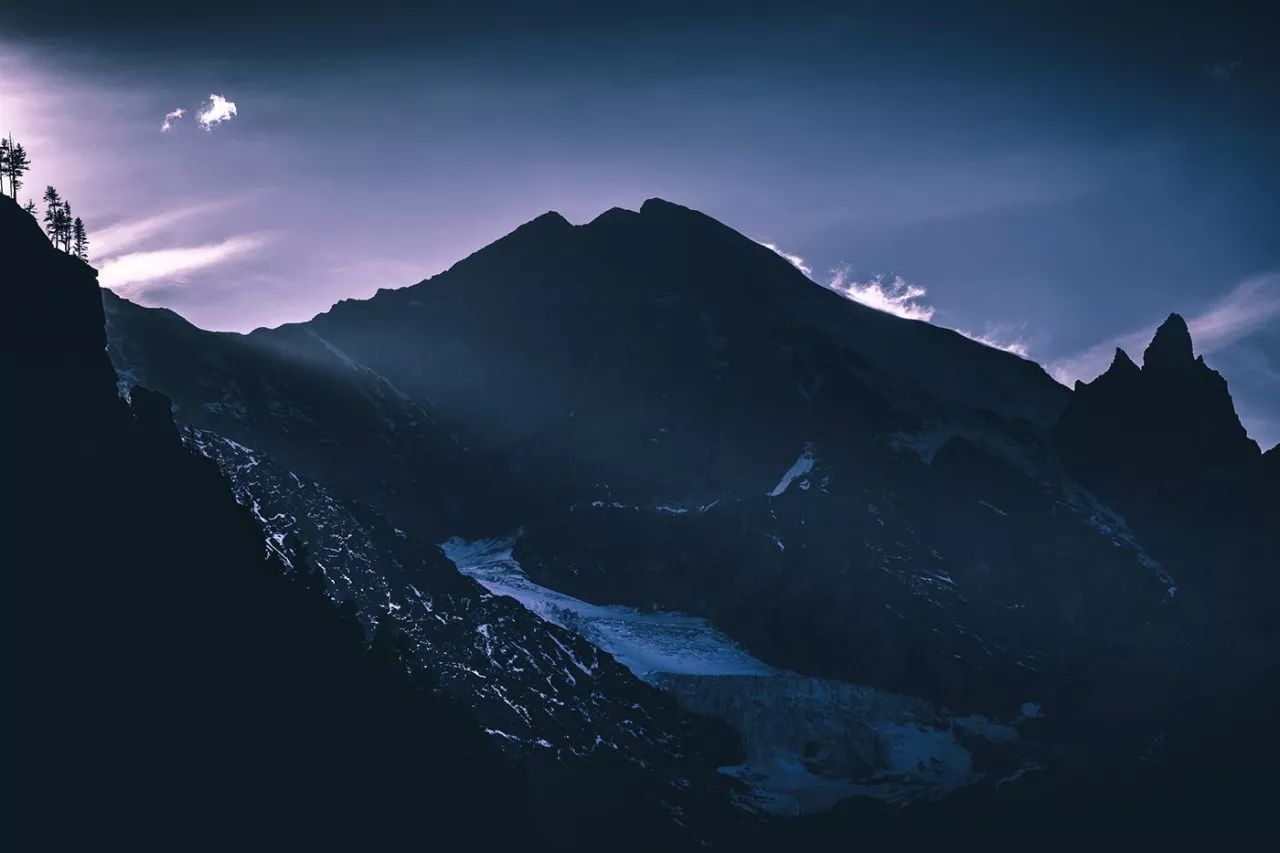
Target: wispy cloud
170,117
1250,305
215,111
115,238
1223,71
138,268
997,338
796,261
901,298
892,294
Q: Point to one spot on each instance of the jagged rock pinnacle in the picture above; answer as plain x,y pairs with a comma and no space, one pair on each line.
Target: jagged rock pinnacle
1171,346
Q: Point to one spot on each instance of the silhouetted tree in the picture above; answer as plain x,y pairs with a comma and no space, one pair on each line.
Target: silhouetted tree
17,166
30,207
65,226
80,240
14,163
52,211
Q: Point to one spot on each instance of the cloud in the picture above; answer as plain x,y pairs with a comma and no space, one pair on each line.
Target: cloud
796,260
1249,306
1225,70
215,111
115,238
170,117
172,264
897,297
994,338
891,294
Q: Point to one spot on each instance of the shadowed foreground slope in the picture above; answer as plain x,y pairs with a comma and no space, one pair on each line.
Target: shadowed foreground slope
169,683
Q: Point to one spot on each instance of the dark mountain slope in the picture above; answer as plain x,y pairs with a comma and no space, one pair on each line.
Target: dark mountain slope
659,360
1163,444
638,346
310,407
169,683
1172,416
680,418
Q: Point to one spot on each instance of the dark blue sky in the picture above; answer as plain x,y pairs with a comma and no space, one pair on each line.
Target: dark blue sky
1055,176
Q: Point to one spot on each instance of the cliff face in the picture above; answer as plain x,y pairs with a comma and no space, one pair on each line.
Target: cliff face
1165,420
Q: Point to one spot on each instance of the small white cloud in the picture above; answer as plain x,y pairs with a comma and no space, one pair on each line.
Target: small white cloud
170,117
215,111
795,260
890,294
172,264
1250,305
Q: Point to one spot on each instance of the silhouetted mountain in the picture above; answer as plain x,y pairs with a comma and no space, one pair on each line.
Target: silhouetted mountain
174,679
310,407
903,528
1171,416
1163,444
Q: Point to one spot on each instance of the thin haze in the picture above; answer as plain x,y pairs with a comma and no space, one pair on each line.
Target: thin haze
1044,180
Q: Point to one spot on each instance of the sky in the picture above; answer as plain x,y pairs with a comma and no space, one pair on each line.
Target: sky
1051,178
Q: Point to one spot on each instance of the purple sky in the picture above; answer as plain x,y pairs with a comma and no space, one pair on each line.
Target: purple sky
1041,181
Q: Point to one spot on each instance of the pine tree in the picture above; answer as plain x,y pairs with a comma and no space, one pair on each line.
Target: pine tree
4,162
80,246
66,222
18,165
52,211
30,207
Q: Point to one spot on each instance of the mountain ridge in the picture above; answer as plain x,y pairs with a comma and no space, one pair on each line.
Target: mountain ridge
660,361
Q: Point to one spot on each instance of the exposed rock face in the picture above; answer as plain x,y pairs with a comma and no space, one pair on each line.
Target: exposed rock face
1165,420
536,688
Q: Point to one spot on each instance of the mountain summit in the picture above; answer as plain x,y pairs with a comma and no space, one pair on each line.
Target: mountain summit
1171,347
1174,414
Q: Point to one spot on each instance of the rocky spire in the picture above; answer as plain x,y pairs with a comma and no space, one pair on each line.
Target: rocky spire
1122,365
1172,416
1171,346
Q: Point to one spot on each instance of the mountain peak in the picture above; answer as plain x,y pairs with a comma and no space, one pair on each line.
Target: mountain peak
1175,414
550,219
1171,346
1122,364
655,205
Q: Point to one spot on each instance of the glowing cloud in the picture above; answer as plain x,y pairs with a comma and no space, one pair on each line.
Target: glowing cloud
172,264
892,295
170,117
215,111
115,238
1017,346
1249,306
795,260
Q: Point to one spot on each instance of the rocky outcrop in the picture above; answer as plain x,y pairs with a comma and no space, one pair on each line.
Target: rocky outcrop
1166,420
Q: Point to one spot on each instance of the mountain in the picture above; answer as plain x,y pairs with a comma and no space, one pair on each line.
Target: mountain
183,666
689,423
888,558
1162,443
619,350
1171,415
